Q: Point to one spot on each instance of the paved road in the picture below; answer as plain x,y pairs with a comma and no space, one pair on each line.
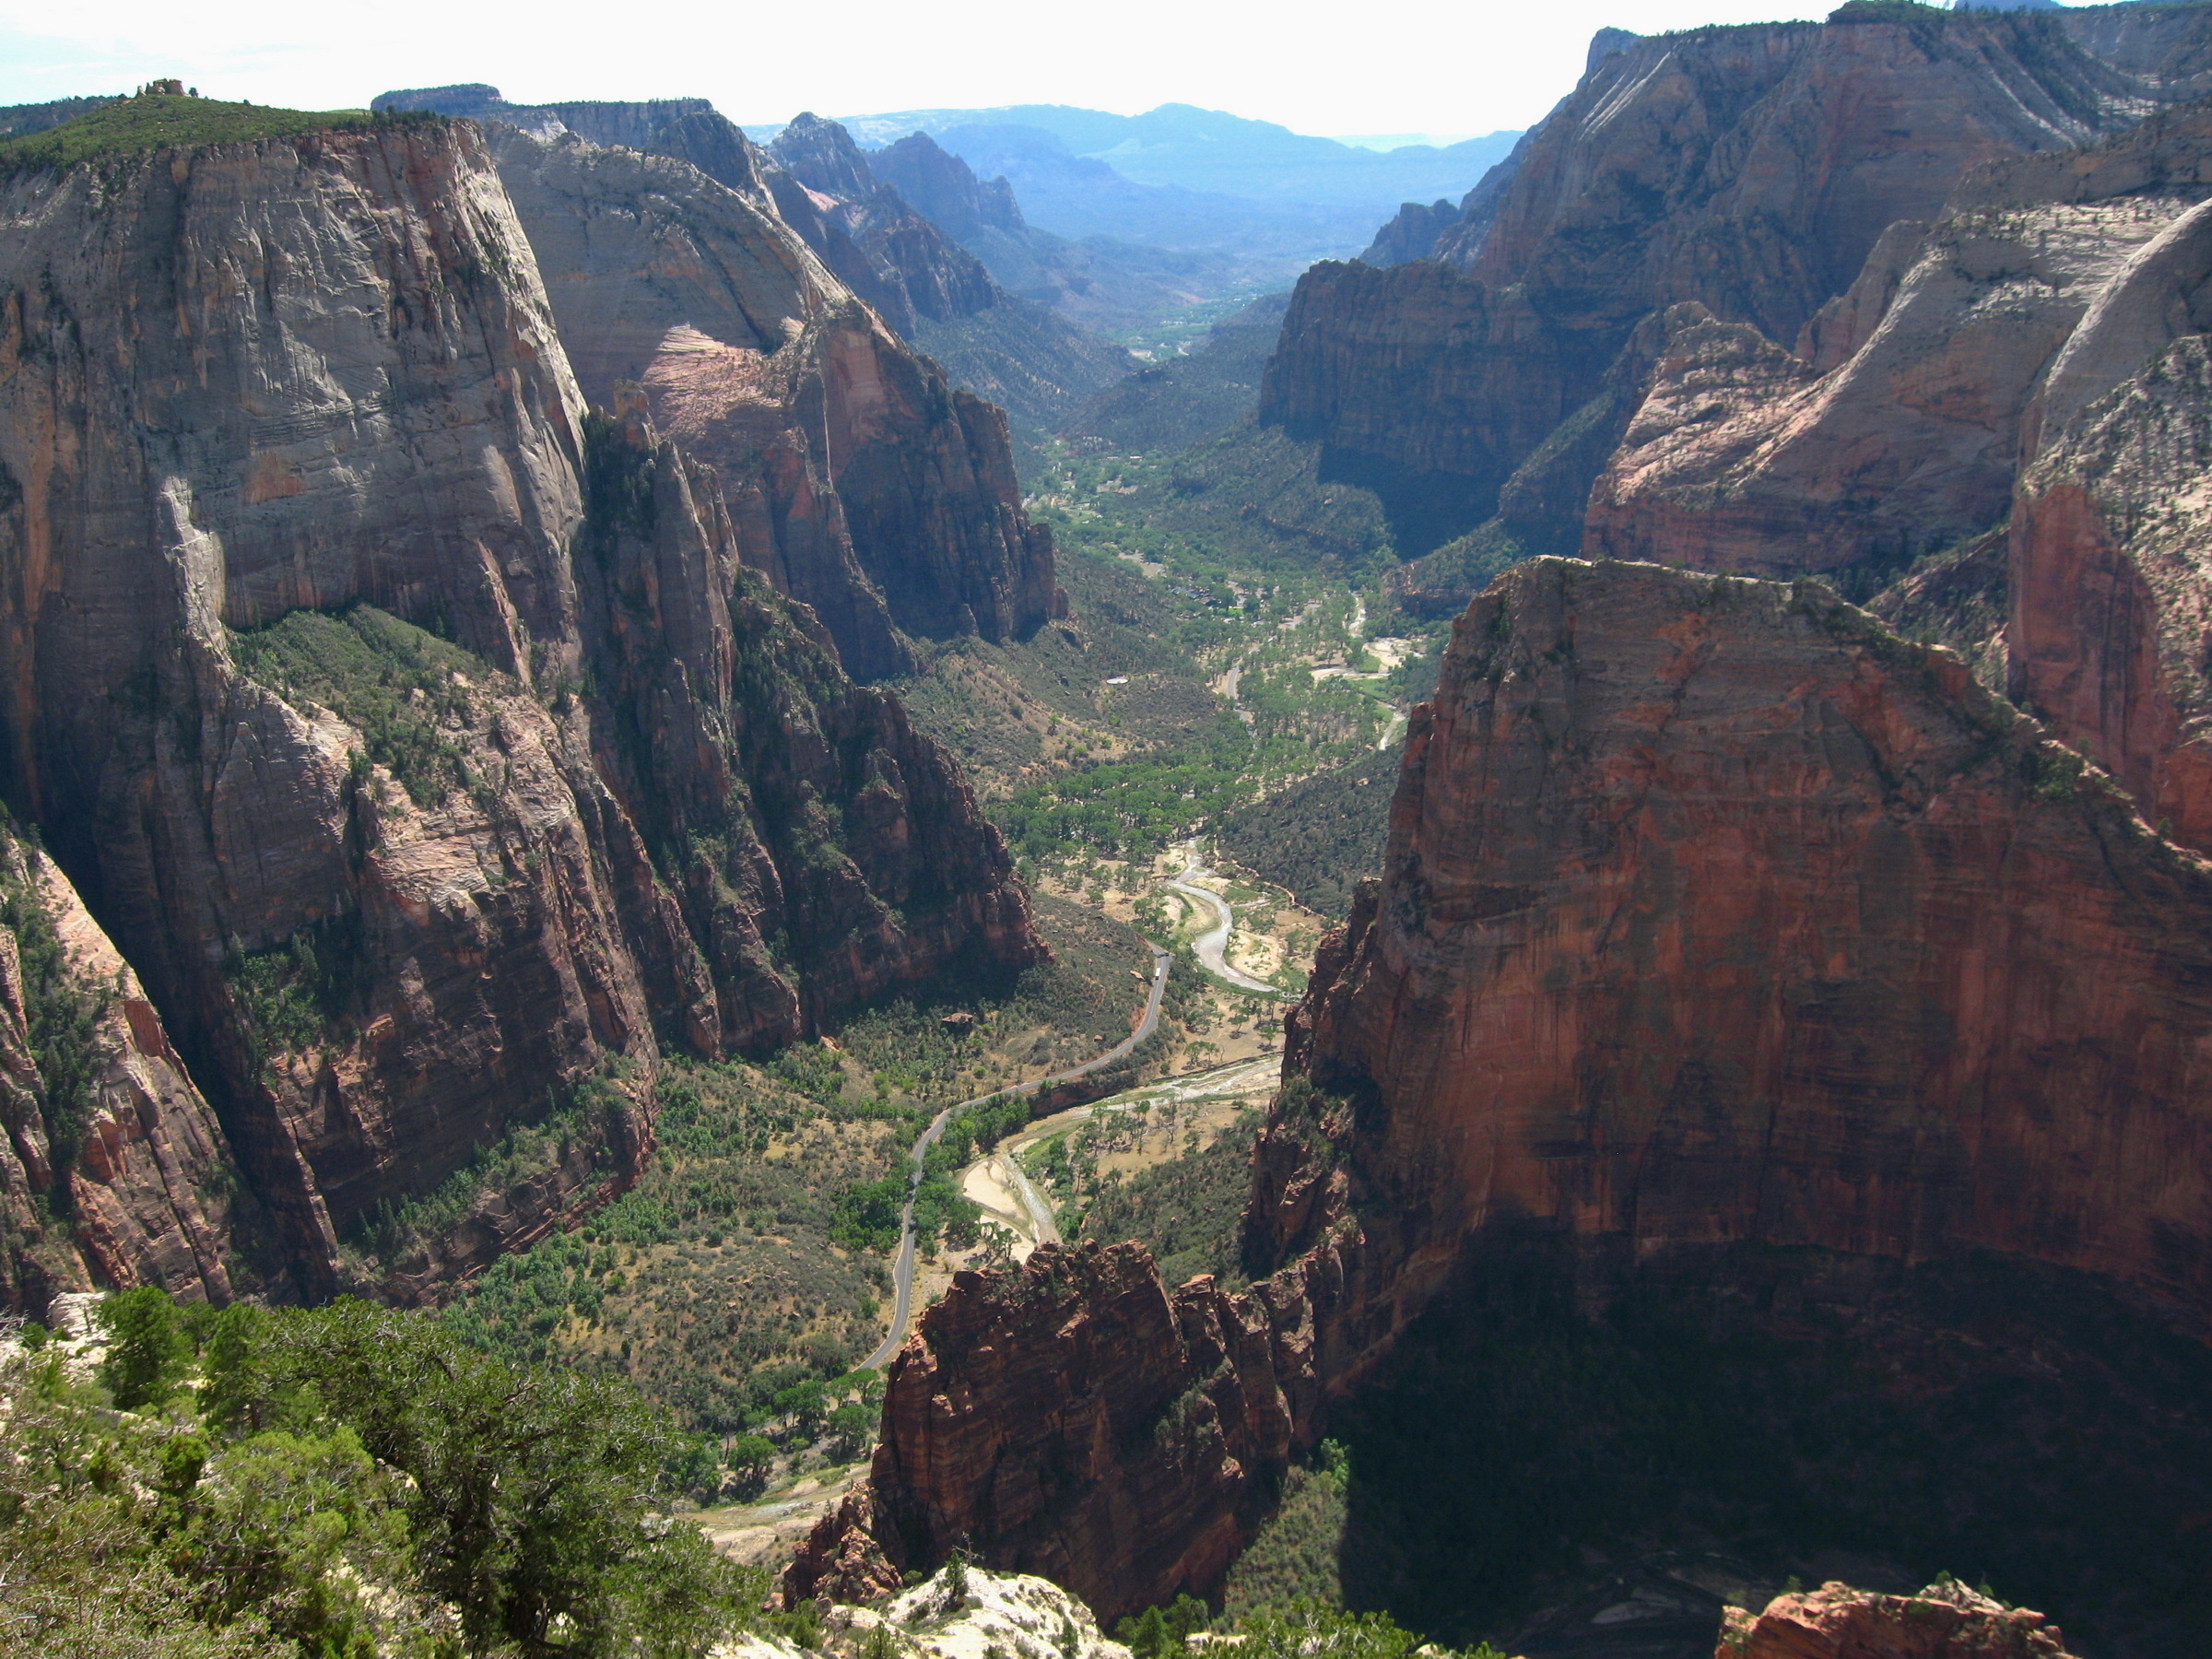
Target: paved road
903,1270
1211,945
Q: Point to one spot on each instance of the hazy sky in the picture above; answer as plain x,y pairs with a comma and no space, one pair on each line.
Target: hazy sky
1370,67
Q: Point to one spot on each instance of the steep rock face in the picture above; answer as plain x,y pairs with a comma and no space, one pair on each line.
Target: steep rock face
855,477
388,888
1801,953
2109,602
1713,912
1944,1621
345,388
1412,234
103,1124
1074,1418
1401,374
791,803
1897,425
887,254
944,189
1750,169
919,277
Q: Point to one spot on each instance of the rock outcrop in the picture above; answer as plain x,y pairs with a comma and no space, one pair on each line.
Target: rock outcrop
1751,170
103,1125
1075,1419
1009,348
913,273
1764,924
1713,912
854,478
344,672
1897,425
1944,1621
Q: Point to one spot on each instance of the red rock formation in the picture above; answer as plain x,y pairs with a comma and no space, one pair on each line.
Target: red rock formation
1944,1621
1713,911
1897,427
110,1131
856,478
1751,170
1072,1418
377,964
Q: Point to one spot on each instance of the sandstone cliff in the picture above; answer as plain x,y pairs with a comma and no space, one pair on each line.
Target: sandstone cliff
911,272
1896,425
853,475
297,656
1751,170
1713,912
2024,366
104,1128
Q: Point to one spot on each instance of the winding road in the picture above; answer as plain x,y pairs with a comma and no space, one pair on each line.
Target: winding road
902,1269
1212,946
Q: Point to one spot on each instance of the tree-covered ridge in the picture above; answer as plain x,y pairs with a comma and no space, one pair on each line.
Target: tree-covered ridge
164,119
345,1483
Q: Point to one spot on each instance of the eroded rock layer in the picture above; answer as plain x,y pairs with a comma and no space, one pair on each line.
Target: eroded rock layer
1944,1621
411,823
1750,171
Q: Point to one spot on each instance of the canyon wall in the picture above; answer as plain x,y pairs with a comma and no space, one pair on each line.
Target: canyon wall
422,745
114,1169
913,272
1713,912
2024,369
1898,423
854,477
1751,170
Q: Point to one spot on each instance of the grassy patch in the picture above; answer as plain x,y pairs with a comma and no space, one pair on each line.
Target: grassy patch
1294,1555
158,121
396,684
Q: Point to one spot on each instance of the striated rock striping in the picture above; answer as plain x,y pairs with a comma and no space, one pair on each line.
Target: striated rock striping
1752,171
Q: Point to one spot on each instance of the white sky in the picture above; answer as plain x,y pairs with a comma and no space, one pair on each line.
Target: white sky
1373,66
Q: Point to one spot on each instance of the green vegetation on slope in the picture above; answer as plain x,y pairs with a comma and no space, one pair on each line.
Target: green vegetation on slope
60,1012
1320,837
159,120
750,1258
394,682
1184,1211
346,1483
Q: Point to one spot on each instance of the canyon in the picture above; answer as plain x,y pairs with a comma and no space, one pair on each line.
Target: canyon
1800,957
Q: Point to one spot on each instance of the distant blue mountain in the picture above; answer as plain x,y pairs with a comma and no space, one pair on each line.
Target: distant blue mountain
1180,176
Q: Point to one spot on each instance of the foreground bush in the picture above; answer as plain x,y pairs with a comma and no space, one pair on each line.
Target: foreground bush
349,1482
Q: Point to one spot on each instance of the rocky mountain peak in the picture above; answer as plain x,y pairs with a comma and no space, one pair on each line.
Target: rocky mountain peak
944,189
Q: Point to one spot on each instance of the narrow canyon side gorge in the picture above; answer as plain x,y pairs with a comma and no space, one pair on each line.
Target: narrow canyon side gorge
434,750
